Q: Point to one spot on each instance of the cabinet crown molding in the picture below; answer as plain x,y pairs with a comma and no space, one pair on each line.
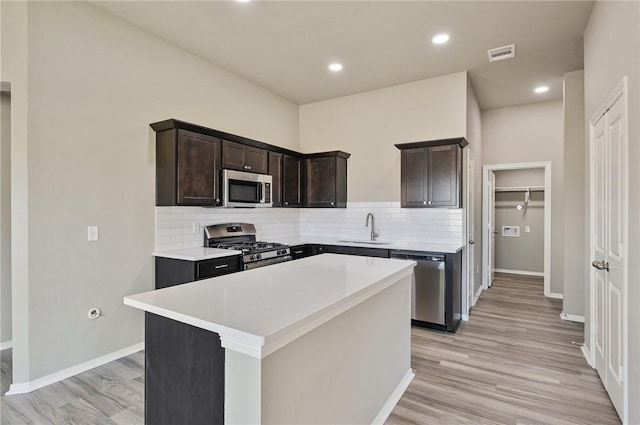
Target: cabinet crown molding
460,141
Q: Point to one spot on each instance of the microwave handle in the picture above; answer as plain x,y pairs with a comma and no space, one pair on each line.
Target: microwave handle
260,196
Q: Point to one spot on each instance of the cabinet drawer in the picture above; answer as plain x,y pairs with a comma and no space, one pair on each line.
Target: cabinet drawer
218,267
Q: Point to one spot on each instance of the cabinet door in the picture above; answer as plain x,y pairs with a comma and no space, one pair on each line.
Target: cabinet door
275,170
321,182
232,155
413,185
291,181
198,164
443,172
256,160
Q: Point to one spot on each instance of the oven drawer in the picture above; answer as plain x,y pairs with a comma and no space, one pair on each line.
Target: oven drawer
218,266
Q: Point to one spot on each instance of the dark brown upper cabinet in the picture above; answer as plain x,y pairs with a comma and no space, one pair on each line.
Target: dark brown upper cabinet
275,170
189,159
431,173
187,168
286,172
237,156
326,180
291,181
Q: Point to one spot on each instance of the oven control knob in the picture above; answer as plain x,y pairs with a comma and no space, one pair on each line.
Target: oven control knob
252,257
258,256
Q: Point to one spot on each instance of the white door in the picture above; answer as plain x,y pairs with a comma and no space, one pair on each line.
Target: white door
608,234
491,192
470,204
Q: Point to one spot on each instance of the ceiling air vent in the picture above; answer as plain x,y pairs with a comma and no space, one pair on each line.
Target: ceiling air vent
502,53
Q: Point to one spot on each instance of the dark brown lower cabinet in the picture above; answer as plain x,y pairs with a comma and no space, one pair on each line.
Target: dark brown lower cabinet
170,271
184,374
354,250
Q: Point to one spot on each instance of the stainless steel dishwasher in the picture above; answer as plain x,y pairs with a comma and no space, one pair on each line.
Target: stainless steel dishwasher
427,288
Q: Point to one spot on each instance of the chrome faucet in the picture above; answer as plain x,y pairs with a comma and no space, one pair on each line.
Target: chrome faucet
374,234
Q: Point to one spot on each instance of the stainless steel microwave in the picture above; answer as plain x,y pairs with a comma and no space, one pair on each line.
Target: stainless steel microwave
248,190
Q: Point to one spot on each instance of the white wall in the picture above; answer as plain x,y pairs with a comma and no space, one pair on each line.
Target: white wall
575,282
95,83
532,133
5,217
367,125
611,51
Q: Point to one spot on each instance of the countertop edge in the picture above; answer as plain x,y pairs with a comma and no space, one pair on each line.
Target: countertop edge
260,347
175,255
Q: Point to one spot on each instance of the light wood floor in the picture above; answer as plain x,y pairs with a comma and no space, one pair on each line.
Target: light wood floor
514,362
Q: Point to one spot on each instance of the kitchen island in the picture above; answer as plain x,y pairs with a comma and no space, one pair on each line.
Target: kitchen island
325,339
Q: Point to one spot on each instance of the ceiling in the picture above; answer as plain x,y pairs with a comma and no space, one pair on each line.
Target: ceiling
286,46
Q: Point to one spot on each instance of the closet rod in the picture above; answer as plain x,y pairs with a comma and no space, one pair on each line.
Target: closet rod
520,189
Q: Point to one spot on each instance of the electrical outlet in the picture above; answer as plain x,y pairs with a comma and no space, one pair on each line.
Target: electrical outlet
93,233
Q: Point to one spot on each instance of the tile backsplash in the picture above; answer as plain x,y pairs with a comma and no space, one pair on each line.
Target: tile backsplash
182,227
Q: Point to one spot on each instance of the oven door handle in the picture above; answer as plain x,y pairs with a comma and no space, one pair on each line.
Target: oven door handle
268,262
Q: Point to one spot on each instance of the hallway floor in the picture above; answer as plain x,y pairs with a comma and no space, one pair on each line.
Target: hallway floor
514,362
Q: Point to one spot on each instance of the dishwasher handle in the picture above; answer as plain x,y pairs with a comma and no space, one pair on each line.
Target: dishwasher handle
418,256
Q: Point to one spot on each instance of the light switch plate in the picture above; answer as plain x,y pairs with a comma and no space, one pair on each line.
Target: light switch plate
527,229
92,233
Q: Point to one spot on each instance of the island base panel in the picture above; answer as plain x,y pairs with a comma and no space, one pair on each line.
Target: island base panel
344,371
184,374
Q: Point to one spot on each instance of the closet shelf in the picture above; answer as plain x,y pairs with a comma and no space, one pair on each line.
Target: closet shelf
520,189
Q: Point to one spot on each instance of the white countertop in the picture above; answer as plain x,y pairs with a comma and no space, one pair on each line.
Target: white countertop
258,311
393,245
196,254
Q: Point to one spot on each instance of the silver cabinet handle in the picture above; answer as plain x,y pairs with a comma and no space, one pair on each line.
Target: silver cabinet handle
333,203
472,242
298,252
221,266
601,265
429,202
424,202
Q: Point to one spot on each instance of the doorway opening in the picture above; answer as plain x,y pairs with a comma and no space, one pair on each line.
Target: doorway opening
518,192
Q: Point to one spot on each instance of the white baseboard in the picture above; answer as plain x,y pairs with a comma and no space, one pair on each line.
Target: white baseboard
556,295
27,387
572,317
5,345
587,354
393,399
541,274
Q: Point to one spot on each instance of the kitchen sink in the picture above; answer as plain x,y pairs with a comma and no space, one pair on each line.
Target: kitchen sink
366,242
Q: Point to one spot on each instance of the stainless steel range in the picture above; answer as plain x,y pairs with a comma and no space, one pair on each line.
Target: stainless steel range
242,237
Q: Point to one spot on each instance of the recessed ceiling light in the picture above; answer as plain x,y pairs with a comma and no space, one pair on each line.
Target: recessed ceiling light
541,89
440,39
335,67
243,1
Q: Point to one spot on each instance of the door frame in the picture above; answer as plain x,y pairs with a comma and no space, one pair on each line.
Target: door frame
621,91
546,166
469,260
